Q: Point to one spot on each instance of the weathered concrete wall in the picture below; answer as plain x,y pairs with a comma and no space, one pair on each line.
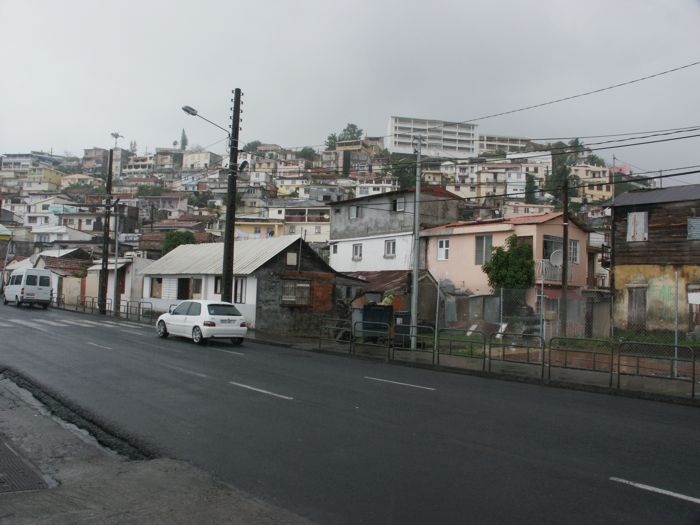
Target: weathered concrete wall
274,316
660,284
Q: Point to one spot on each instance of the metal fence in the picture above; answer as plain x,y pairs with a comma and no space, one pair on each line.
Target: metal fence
650,368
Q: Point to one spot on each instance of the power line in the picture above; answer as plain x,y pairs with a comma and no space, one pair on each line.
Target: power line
563,99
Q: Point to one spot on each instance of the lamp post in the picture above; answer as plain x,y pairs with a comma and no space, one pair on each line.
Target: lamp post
230,226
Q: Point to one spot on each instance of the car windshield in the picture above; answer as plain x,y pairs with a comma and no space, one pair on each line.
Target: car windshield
223,309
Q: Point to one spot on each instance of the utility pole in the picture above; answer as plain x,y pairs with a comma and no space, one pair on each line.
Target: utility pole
416,247
230,226
102,291
563,305
115,303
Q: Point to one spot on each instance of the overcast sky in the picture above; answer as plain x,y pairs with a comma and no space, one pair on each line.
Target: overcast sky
74,71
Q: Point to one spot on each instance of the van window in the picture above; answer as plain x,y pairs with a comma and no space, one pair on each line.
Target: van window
44,280
31,280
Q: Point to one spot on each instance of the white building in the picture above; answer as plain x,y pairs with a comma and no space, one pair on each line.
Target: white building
440,138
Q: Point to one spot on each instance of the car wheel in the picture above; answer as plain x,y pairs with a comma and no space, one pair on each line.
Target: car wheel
44,306
18,303
162,329
237,341
197,336
4,300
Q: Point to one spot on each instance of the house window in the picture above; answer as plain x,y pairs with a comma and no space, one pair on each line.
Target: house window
397,205
483,249
156,287
32,220
239,290
256,230
443,249
317,229
551,244
573,251
292,229
296,293
291,258
354,212
390,248
335,248
357,252
196,288
637,226
694,228
217,285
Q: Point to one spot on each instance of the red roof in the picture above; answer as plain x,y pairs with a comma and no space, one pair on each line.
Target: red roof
535,218
66,266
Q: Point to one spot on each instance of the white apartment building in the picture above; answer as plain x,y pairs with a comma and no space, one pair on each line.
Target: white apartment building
440,138
597,180
494,143
200,160
367,187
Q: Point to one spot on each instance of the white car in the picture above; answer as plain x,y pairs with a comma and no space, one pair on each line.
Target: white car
202,320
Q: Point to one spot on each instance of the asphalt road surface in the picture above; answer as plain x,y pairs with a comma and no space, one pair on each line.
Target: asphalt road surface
350,441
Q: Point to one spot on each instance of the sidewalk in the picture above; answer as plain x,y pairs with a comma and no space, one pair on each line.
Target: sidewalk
53,472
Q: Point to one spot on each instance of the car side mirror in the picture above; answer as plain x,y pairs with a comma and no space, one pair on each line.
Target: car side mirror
171,309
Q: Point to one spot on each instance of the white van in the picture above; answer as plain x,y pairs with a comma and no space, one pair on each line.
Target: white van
29,286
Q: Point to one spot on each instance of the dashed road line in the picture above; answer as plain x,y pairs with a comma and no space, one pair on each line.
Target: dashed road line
657,490
398,383
185,371
98,346
260,390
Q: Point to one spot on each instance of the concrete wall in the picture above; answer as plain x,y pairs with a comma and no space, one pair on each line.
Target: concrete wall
659,281
272,315
373,258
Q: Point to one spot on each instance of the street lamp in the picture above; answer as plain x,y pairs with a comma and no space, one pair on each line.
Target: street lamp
230,226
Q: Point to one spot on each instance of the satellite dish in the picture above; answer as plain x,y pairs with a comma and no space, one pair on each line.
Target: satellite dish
557,257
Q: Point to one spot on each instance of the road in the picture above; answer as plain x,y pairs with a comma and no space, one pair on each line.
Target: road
349,441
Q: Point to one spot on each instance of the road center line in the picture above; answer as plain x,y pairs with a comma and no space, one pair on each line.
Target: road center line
185,371
99,346
398,383
261,390
657,490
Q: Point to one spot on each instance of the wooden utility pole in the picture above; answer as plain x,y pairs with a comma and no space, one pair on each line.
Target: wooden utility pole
102,290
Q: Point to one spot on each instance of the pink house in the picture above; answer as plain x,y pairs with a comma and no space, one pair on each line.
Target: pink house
456,252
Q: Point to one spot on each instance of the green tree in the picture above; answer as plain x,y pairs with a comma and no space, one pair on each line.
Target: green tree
351,132
176,238
149,191
183,140
331,142
530,188
511,266
595,160
307,153
252,146
404,167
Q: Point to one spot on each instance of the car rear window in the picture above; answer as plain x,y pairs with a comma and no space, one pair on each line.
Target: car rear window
31,280
44,281
223,309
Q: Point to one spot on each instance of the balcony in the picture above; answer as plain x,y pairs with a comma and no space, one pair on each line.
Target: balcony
550,272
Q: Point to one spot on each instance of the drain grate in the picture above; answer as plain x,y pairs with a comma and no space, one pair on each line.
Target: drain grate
15,473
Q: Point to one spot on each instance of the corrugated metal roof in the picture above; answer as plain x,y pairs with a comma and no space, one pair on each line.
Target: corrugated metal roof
689,192
207,259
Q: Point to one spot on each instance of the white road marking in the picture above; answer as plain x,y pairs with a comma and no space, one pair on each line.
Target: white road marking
132,332
98,346
398,383
29,324
3,325
185,371
79,323
51,323
261,390
226,351
657,490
